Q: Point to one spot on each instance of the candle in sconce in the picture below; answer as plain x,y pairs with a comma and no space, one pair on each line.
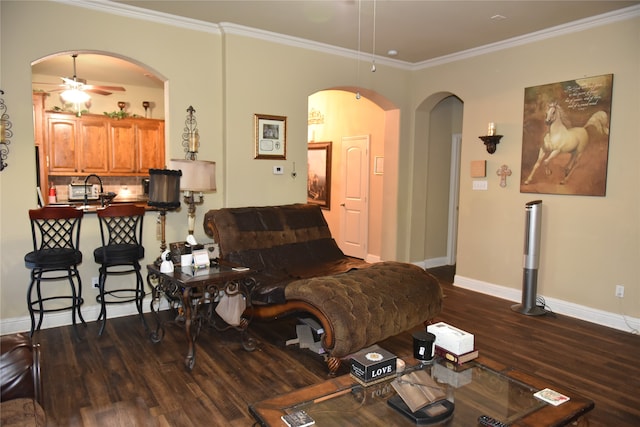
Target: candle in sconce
491,129
194,142
2,130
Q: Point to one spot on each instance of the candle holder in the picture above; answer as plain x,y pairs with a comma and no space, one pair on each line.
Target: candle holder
491,141
121,105
190,135
145,105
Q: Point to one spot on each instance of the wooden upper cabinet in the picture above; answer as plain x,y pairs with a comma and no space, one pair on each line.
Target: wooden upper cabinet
61,136
101,145
123,147
150,137
94,145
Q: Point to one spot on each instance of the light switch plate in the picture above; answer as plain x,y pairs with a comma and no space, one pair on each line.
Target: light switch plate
480,185
278,170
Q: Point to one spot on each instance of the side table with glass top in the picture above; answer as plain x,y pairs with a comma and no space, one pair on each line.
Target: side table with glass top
193,295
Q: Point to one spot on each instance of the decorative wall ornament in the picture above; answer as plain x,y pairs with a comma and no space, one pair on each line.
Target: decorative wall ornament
315,117
5,132
565,140
503,173
190,135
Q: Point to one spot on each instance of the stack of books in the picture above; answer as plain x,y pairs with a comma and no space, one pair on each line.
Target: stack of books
458,359
452,344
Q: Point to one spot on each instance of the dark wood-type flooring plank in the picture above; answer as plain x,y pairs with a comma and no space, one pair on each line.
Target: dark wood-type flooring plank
122,379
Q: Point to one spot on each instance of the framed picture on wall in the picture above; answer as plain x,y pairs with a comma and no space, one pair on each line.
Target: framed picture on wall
565,141
319,174
271,137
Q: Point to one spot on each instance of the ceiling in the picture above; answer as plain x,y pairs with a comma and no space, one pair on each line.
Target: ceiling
419,30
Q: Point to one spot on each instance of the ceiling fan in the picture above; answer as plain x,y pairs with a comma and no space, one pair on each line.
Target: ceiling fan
75,89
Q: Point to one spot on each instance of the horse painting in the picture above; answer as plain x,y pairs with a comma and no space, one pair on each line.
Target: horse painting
562,138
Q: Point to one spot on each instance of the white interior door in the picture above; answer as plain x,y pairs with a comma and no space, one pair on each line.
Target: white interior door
354,207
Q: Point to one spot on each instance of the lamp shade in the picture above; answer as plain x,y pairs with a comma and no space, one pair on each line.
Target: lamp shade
164,188
197,175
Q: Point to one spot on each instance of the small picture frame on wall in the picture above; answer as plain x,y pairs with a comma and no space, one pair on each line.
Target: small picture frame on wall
271,137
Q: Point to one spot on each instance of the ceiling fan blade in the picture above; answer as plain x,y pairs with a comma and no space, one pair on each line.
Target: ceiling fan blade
98,91
101,87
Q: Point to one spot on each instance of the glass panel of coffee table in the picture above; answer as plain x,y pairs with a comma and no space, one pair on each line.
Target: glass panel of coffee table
477,389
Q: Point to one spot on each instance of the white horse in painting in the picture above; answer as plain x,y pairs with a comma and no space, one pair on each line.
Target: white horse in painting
562,138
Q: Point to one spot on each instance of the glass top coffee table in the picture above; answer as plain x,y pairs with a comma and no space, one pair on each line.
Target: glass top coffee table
483,388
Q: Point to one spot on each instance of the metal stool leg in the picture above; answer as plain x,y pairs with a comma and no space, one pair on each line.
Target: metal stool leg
140,295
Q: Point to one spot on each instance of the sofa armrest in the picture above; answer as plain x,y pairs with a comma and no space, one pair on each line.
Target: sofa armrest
19,368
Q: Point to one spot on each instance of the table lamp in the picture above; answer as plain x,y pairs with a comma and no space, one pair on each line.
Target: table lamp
164,194
198,176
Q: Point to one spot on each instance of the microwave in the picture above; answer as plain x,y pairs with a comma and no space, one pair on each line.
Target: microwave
78,191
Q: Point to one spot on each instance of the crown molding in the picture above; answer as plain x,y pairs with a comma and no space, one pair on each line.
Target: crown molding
568,28
107,6
134,12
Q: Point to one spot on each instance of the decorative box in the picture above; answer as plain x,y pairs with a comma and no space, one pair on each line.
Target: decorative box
372,364
452,339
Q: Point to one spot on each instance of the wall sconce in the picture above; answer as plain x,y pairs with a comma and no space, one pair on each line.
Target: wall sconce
190,137
5,132
164,194
491,140
198,176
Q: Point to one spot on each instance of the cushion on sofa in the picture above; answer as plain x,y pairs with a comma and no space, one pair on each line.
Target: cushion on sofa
379,312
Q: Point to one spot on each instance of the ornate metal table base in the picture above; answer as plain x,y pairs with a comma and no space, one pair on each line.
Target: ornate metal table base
193,296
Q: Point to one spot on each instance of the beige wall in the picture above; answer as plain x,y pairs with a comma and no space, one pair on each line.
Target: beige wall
590,243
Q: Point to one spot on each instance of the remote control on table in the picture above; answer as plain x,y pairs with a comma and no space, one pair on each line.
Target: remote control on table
485,420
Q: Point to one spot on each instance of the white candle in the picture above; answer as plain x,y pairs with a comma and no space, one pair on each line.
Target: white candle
491,130
194,140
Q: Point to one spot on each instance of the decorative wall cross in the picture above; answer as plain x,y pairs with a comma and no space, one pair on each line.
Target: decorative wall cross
503,173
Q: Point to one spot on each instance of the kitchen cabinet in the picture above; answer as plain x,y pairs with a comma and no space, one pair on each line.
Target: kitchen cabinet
150,137
93,136
61,143
104,146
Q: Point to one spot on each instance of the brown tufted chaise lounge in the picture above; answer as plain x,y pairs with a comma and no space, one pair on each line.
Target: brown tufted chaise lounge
301,269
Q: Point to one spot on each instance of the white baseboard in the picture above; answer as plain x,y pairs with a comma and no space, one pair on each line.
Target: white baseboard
63,318
589,314
600,317
372,258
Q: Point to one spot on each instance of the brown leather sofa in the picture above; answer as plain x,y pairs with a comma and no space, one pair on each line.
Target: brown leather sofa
20,384
299,268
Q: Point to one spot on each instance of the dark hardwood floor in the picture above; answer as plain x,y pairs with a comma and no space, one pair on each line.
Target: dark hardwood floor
122,379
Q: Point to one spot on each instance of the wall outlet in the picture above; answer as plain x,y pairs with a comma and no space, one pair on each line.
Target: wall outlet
620,291
95,282
278,170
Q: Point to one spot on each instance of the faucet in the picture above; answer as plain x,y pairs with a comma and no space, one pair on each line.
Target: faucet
86,196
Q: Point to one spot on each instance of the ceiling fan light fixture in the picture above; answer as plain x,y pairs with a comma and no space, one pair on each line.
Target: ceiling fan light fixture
75,96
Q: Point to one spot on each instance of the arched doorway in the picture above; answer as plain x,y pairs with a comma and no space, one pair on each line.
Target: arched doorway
117,86
436,171
336,114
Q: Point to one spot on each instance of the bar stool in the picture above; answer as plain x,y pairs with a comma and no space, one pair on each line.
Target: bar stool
120,253
56,236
